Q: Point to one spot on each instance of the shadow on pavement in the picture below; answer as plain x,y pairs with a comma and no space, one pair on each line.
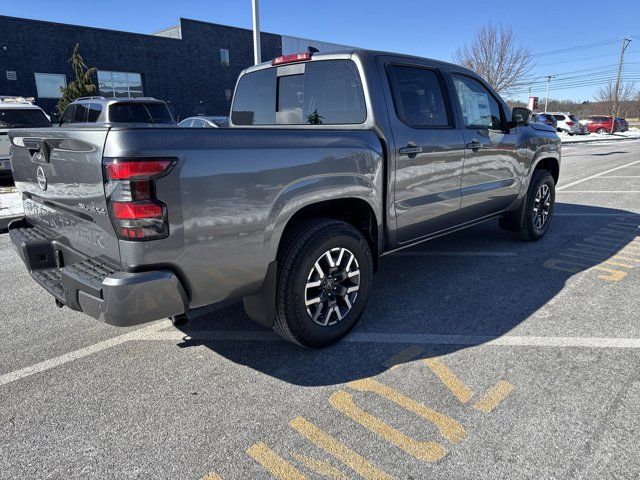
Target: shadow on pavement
6,181
479,282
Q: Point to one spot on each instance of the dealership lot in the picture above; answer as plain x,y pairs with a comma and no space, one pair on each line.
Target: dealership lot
478,357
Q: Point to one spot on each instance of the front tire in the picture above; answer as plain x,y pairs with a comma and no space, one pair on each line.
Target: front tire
325,273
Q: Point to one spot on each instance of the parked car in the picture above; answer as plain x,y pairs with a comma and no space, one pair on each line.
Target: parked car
623,125
145,110
17,112
600,123
346,157
567,123
202,121
544,119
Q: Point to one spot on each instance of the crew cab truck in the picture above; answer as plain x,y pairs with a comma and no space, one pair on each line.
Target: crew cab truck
331,161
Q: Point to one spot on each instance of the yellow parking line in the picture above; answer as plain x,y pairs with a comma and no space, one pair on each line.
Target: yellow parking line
448,427
274,463
320,467
450,380
211,476
349,457
613,275
494,397
424,451
403,356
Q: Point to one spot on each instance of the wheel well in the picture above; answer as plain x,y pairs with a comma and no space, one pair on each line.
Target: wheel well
550,165
354,211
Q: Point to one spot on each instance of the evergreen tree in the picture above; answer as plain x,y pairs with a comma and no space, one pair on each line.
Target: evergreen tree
82,86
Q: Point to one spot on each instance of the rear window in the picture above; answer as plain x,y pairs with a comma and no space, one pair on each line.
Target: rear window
23,118
140,113
574,118
315,93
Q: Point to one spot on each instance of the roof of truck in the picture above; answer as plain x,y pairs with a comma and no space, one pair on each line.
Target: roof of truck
362,53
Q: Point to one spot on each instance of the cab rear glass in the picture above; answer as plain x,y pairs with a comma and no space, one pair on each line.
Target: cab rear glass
324,92
23,118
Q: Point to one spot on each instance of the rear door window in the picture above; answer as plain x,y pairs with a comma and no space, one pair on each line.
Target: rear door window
418,97
326,92
560,118
95,109
81,114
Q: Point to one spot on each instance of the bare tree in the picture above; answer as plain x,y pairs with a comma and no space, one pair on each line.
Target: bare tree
495,54
607,96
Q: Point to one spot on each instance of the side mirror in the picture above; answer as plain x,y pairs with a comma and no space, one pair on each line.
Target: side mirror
520,117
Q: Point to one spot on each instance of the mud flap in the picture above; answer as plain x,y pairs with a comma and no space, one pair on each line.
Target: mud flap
261,307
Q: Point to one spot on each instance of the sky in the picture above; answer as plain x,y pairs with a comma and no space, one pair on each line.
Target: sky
425,28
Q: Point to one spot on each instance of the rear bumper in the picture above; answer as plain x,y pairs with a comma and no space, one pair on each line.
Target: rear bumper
96,286
5,167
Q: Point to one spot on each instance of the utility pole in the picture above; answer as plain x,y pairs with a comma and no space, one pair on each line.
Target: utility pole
257,57
546,100
616,94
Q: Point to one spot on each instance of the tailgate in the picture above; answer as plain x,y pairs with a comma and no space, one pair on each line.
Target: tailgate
4,144
58,171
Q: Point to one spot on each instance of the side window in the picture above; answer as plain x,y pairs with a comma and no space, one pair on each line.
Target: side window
81,113
560,118
69,113
479,108
94,112
418,97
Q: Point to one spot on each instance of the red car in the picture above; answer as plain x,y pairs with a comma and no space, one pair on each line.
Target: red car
600,124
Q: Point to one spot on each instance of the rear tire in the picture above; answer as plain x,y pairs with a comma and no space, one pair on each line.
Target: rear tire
317,303
532,219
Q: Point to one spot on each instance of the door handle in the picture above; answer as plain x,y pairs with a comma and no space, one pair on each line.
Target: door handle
410,150
474,145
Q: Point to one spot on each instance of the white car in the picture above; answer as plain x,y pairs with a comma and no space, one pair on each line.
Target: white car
568,123
17,112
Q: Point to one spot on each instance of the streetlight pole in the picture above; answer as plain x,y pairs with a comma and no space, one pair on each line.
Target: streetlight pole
616,94
546,100
257,57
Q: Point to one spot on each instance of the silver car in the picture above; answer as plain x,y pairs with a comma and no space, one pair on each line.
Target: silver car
202,121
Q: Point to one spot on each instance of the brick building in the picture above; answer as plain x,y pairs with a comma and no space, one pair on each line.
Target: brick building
193,66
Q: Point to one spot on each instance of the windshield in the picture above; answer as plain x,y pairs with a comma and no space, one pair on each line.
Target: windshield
140,113
23,117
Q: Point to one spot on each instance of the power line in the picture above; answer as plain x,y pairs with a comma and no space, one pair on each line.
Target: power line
601,43
585,58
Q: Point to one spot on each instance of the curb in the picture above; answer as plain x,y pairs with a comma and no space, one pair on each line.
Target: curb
601,140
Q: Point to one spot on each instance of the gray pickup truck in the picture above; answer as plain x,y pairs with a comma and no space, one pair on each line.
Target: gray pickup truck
331,161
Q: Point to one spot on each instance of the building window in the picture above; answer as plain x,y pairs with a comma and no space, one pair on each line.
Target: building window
224,57
119,84
48,85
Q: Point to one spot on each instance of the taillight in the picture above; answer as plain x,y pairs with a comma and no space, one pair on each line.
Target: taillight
570,124
294,57
136,212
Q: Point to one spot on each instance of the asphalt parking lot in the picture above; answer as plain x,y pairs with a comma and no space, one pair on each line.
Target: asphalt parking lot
478,357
